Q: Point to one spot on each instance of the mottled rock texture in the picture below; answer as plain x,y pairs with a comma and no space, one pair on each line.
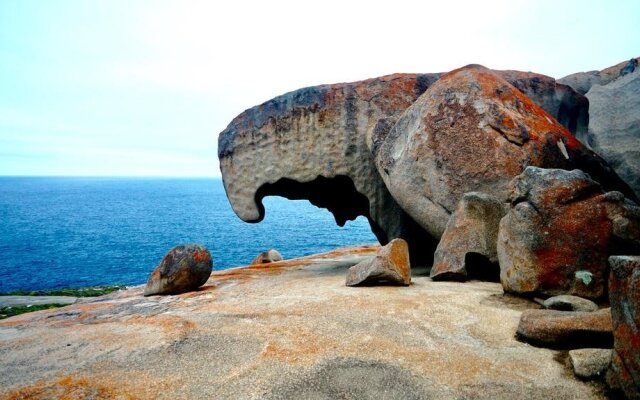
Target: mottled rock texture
183,269
590,363
267,257
560,231
473,131
569,303
468,244
291,331
582,82
566,329
316,143
624,294
391,264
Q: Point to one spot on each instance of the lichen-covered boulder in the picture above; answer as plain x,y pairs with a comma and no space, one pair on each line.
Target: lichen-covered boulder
473,131
468,245
183,269
391,264
624,295
267,257
566,329
560,231
316,143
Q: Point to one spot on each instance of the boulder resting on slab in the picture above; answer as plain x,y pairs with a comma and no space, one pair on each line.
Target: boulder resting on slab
559,232
267,256
390,264
468,244
624,295
566,329
183,269
569,303
473,131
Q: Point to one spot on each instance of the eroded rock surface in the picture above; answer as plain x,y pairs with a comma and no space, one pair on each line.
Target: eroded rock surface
624,294
566,329
473,131
469,242
289,331
590,363
183,269
560,231
391,264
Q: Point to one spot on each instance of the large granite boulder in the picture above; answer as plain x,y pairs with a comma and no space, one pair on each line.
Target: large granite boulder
391,265
566,329
316,143
473,131
614,116
560,231
183,269
624,294
469,243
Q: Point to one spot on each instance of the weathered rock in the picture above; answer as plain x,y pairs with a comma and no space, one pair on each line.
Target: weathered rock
473,131
468,244
614,125
566,329
582,82
312,144
569,303
183,269
391,264
316,143
559,233
266,257
624,294
590,363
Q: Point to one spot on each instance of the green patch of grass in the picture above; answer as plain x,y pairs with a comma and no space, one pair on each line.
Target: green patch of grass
92,291
6,312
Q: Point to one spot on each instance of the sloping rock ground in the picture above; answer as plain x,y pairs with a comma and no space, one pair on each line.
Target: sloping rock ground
287,330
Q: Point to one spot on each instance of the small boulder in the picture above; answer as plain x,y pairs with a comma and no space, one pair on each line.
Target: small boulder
589,363
266,257
569,303
624,294
183,269
390,264
468,245
558,234
562,329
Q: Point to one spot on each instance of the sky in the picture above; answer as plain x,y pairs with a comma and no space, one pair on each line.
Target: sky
142,88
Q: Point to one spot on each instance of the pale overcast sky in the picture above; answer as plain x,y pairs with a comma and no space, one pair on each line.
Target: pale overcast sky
144,87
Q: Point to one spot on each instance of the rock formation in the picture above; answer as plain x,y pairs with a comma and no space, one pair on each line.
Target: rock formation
391,264
560,231
624,294
563,329
183,269
266,257
614,116
468,245
316,143
473,131
590,363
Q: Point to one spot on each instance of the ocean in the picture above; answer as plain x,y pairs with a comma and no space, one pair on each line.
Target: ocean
76,232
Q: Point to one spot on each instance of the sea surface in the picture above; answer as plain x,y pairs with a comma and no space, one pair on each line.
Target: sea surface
75,232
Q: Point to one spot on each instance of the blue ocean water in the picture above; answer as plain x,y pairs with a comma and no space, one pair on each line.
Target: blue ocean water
75,232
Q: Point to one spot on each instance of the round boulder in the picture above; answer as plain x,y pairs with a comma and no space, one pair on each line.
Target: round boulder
267,257
183,269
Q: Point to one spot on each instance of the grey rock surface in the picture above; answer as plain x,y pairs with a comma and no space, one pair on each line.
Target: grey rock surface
471,236
569,303
590,363
267,256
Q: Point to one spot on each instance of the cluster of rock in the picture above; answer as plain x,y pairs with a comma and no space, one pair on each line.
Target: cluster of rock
480,173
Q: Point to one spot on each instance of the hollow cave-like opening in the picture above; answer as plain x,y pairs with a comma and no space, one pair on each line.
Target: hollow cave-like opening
340,197
479,267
